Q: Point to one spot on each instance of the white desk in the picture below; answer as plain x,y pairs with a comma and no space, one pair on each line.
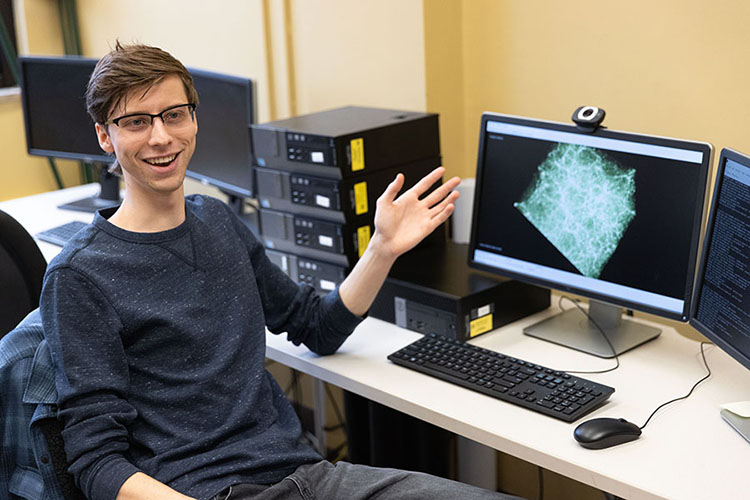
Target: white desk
686,451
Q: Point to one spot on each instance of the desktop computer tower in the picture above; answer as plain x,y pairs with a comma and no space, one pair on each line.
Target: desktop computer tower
333,242
379,436
323,276
339,200
340,244
433,290
346,142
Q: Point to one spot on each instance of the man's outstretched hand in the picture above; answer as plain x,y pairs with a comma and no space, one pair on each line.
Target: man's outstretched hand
400,223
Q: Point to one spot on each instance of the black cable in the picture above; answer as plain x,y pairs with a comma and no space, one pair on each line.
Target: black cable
708,374
601,330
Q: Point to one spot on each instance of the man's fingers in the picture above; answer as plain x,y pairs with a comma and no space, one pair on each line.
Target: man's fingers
393,188
427,181
442,215
438,209
442,191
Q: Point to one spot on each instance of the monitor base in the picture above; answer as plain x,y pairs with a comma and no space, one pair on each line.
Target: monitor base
738,423
573,329
247,214
109,194
89,204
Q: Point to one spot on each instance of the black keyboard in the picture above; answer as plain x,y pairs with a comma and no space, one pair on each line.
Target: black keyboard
60,235
554,393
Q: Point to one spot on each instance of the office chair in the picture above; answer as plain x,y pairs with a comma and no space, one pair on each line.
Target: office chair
22,267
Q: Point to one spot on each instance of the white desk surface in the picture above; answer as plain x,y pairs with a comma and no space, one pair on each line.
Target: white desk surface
686,452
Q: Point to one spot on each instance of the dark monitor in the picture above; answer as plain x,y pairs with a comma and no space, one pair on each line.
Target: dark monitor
53,98
613,216
223,152
721,305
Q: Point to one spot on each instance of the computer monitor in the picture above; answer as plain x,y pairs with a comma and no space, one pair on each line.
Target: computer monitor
612,216
53,98
721,303
223,153
57,125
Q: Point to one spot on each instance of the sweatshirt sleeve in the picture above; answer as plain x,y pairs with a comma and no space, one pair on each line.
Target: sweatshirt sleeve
320,323
83,331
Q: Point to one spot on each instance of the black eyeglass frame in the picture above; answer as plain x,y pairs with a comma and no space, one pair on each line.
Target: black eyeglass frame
116,121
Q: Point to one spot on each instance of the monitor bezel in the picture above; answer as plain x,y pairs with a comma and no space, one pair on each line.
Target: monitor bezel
744,160
703,147
252,102
23,61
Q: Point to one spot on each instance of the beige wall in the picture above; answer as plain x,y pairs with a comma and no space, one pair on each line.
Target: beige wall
664,68
227,36
364,52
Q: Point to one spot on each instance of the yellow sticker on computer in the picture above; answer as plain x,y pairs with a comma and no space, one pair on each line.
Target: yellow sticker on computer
360,198
363,238
480,325
358,154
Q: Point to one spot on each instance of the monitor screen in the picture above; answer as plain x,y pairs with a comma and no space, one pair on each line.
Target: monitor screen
53,91
223,150
721,307
609,215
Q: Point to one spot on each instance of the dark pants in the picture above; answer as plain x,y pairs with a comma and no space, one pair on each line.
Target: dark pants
345,481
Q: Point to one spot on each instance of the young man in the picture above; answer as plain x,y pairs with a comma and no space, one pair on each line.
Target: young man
156,314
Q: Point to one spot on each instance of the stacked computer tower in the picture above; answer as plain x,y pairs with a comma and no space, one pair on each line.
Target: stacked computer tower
318,178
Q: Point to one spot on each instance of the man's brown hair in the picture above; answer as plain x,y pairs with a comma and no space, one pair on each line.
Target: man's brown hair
129,67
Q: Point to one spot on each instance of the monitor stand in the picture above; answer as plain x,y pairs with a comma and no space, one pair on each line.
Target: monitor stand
573,329
109,194
238,206
739,423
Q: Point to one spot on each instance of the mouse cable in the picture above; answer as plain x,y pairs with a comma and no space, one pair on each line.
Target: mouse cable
708,374
601,330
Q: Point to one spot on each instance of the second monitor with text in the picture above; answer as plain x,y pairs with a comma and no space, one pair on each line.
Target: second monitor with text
613,216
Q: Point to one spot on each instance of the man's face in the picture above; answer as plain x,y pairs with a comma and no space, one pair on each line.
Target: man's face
154,159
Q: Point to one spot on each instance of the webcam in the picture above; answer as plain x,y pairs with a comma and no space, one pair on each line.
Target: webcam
588,118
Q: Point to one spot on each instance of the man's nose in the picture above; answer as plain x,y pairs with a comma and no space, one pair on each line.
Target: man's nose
159,132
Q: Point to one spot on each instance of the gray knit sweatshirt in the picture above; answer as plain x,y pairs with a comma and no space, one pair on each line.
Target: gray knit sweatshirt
159,344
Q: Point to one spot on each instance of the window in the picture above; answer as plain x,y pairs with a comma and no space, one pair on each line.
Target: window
7,36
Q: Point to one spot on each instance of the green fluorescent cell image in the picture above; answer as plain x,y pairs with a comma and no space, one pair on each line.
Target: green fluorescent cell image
582,202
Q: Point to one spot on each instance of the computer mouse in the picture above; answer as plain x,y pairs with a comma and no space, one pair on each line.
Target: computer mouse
599,433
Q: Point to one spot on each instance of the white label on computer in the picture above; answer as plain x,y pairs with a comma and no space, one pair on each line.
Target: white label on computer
327,285
326,241
483,311
316,156
323,201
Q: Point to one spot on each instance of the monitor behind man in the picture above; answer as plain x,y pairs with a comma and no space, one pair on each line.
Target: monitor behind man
223,154
609,215
57,126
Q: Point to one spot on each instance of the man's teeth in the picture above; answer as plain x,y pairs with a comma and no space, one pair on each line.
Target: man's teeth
161,161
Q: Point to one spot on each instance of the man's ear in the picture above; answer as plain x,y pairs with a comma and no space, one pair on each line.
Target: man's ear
104,140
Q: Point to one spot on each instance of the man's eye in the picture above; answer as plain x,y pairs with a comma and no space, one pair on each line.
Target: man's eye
135,122
175,115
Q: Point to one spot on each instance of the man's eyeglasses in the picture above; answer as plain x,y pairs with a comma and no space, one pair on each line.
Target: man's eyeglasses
172,117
